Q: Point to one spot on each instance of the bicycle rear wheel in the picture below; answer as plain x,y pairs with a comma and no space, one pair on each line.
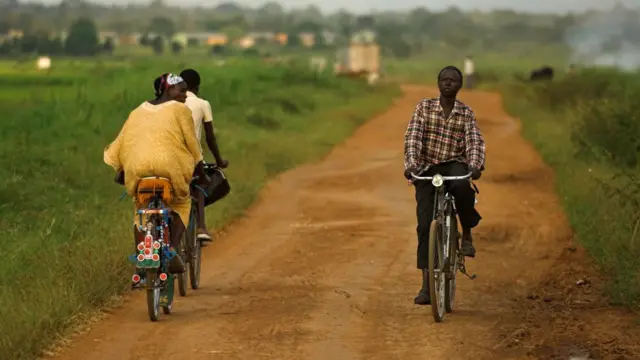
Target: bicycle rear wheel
452,264
195,250
182,278
153,295
436,271
195,264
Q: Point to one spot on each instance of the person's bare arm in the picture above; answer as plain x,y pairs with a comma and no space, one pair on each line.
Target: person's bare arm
212,143
210,136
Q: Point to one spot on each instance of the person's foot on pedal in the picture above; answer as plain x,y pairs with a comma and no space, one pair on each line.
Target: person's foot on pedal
467,246
176,265
203,234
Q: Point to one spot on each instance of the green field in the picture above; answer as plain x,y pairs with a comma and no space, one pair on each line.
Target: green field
587,128
65,231
492,67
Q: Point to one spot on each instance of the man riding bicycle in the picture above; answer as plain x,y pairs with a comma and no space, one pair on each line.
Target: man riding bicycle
443,137
201,115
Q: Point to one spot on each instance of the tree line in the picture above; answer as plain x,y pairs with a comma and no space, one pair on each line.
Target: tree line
400,33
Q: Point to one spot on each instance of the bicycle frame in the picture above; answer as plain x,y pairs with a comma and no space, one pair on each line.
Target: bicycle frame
443,203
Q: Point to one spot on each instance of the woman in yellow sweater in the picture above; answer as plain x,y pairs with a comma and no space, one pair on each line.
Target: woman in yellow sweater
158,139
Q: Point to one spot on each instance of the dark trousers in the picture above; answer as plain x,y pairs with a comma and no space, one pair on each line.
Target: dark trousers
469,81
425,194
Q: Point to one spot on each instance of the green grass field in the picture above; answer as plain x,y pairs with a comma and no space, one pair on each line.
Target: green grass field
492,67
586,127
65,232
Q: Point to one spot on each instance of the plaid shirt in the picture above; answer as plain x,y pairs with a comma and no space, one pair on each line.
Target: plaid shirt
431,139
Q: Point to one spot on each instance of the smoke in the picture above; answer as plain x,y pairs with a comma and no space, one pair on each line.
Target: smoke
610,38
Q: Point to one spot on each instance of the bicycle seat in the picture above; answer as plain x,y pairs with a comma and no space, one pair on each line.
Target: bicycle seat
149,187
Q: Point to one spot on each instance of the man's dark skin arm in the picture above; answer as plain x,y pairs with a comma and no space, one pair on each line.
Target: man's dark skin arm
213,145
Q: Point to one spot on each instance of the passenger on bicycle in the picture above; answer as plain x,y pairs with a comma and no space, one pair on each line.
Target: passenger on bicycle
158,139
201,114
443,135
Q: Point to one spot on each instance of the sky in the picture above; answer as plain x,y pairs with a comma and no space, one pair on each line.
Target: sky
364,6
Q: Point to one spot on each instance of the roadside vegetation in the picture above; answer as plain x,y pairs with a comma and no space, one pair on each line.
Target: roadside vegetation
587,126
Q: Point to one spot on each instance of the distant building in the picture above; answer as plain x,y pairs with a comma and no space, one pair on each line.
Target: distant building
12,34
208,38
307,39
281,38
246,42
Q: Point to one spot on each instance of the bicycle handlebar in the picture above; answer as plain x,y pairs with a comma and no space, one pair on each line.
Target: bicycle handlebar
445,178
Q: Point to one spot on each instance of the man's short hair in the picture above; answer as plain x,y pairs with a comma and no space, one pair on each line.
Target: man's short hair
191,77
450,67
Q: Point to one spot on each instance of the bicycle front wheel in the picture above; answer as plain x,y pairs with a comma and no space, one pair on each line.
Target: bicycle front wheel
436,271
452,264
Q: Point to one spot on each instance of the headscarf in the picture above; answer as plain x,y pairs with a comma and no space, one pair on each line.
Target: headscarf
164,82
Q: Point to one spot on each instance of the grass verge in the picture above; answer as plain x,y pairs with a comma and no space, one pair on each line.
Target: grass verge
598,193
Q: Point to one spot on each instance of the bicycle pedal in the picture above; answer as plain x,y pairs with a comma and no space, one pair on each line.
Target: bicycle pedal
471,277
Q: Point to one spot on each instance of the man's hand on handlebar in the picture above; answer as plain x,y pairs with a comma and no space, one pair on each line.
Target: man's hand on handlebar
409,171
475,173
222,163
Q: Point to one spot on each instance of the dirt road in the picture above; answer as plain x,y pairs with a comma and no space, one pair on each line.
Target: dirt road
323,267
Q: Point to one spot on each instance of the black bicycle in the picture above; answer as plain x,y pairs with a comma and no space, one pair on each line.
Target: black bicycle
445,257
191,246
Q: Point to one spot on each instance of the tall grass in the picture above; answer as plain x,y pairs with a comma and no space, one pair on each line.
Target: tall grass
66,235
587,128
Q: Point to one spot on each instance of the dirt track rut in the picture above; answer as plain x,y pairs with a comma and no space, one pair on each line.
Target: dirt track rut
322,267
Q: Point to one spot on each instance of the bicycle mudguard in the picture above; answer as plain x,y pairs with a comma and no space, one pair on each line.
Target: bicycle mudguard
166,294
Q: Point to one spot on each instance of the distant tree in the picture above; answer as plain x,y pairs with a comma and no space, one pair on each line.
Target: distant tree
10,4
364,22
108,46
6,48
53,46
319,40
82,39
293,40
218,49
157,44
309,26
163,26
176,47
193,42
400,48
29,44
5,26
145,40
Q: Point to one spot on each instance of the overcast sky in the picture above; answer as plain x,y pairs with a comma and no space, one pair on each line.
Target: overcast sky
368,5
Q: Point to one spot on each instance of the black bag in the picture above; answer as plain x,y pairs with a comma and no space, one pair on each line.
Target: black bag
219,186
